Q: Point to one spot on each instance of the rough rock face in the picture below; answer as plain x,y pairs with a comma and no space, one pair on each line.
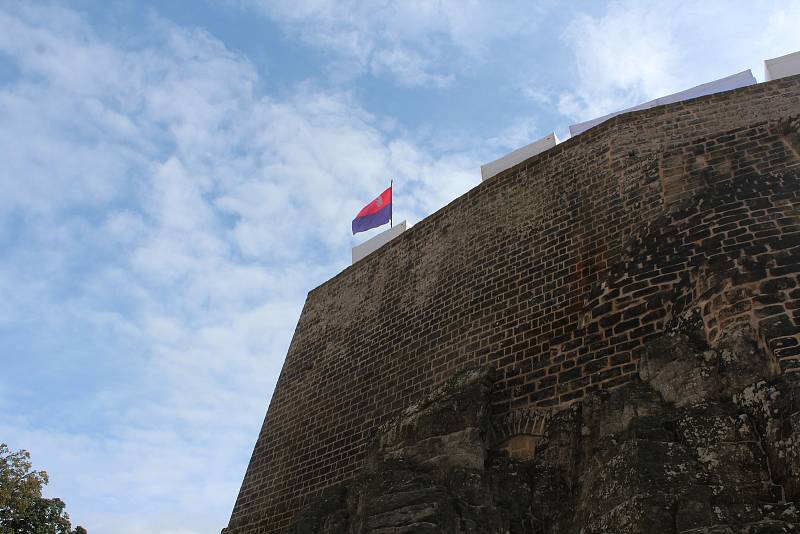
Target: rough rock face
708,441
430,472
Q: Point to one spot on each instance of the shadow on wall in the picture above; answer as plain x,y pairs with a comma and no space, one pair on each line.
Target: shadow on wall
730,252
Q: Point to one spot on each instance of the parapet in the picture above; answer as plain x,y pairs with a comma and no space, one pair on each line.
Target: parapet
519,155
781,67
369,246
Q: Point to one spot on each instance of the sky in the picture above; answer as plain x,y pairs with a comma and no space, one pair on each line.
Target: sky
176,175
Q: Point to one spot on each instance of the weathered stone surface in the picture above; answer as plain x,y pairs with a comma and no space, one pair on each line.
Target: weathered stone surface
429,472
324,515
444,429
686,374
775,409
706,442
557,273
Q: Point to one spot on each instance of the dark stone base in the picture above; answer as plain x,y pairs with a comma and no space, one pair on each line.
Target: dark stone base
708,441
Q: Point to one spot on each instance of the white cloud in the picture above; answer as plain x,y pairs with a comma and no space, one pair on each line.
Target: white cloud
415,43
520,132
635,52
168,220
621,58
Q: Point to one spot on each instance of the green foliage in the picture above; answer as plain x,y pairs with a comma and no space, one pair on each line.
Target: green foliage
23,510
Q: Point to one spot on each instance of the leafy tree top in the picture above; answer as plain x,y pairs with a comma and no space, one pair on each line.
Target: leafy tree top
23,510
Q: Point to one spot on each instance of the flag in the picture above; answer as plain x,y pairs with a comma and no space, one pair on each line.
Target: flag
376,213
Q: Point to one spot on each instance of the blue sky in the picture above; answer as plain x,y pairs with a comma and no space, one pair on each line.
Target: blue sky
177,175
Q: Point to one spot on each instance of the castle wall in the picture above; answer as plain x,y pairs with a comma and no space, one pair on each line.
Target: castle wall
556,272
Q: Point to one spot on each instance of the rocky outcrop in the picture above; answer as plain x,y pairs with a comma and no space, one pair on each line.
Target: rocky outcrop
707,441
430,472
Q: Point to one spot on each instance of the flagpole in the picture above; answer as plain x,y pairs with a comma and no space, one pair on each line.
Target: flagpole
391,217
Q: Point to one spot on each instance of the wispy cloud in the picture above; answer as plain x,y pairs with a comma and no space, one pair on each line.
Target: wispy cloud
414,43
161,224
621,58
634,52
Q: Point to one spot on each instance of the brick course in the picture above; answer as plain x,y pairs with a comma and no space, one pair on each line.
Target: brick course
556,272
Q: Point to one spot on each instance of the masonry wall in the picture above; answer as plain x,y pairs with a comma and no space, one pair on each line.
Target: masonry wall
556,272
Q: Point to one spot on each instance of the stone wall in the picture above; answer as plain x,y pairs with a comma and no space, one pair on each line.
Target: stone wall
555,273
707,441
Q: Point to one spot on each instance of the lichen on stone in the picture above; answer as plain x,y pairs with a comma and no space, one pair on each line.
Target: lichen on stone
706,442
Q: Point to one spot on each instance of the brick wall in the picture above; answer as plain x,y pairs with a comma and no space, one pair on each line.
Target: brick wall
555,271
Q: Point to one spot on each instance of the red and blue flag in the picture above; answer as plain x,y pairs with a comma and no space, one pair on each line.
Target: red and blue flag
376,213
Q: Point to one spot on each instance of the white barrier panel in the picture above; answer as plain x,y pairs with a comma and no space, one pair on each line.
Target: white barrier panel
783,66
518,156
742,79
371,245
